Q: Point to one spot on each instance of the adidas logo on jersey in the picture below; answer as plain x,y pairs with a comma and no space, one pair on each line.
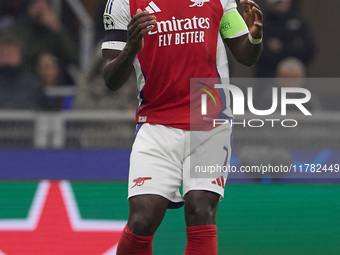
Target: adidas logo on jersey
219,182
198,3
152,8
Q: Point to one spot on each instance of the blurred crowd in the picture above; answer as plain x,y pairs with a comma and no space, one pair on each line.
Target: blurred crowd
286,35
37,56
38,52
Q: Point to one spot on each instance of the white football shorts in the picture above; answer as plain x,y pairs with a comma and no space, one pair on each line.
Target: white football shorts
165,158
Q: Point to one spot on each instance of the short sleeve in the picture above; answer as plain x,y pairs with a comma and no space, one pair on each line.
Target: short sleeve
228,6
116,19
232,23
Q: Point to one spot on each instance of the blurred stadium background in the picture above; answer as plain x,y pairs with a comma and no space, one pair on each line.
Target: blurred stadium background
49,158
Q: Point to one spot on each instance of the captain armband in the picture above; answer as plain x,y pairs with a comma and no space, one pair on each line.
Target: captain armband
232,23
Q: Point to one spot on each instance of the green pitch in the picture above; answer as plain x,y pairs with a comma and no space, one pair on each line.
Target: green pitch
252,219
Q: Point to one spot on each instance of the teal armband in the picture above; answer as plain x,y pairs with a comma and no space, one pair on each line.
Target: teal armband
231,24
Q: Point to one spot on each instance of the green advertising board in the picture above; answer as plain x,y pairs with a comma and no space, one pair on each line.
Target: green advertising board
61,217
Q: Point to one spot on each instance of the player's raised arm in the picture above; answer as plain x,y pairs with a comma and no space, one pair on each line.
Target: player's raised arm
247,49
118,64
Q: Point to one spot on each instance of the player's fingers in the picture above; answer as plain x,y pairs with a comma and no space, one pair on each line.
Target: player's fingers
258,15
245,5
142,23
141,19
248,5
146,27
138,15
144,32
251,3
246,8
258,25
141,27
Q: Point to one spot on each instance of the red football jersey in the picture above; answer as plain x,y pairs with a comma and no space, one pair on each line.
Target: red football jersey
185,43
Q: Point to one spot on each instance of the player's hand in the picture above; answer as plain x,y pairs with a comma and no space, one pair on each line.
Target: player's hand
139,26
253,17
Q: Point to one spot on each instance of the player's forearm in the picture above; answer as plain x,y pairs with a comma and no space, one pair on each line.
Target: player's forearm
247,53
118,70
